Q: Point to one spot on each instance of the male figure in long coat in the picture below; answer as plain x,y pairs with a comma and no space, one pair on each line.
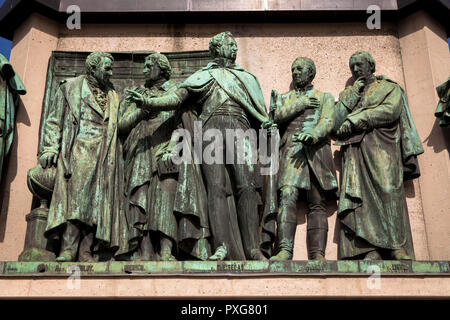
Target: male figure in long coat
80,137
306,165
10,88
230,98
380,145
151,193
443,108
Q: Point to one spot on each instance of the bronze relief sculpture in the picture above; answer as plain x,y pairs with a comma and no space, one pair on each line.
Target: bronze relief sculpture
151,190
442,110
305,116
10,88
230,98
379,145
117,193
81,139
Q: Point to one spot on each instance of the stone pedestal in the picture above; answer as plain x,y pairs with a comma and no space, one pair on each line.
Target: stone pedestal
35,243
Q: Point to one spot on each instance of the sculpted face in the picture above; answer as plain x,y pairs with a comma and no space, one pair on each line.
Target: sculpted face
103,72
228,50
152,71
360,67
301,74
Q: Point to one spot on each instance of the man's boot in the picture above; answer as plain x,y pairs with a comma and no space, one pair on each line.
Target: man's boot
316,240
166,249
69,247
85,253
373,255
146,251
317,233
400,254
220,254
286,235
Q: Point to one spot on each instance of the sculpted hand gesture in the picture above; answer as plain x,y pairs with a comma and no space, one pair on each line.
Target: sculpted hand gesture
306,138
136,97
308,102
359,85
269,124
47,159
345,129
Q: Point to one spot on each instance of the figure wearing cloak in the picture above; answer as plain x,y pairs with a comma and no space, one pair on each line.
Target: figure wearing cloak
230,98
10,88
81,138
380,145
151,208
442,110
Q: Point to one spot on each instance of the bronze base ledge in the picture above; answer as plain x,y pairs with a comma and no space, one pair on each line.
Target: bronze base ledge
227,268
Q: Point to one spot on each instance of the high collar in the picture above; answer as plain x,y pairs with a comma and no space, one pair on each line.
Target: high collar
224,63
371,79
158,84
304,89
93,83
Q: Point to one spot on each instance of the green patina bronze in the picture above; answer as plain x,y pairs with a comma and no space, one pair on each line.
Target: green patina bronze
228,98
226,268
10,88
81,140
442,110
379,146
152,209
108,188
305,117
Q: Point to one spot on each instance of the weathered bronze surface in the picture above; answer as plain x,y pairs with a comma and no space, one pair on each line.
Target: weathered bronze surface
150,184
229,98
109,189
305,117
226,268
442,110
80,139
65,65
10,88
379,145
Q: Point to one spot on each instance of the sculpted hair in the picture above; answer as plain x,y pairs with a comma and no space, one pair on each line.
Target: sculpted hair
162,62
217,41
95,59
311,65
365,55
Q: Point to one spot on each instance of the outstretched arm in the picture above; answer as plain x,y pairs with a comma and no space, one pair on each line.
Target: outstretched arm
130,118
169,101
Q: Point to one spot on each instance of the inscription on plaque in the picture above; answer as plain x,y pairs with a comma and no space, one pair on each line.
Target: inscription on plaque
397,268
230,267
134,268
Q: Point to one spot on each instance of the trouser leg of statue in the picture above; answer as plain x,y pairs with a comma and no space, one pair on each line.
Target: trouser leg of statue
85,252
71,240
247,210
166,249
287,223
217,207
317,224
76,240
146,248
246,207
